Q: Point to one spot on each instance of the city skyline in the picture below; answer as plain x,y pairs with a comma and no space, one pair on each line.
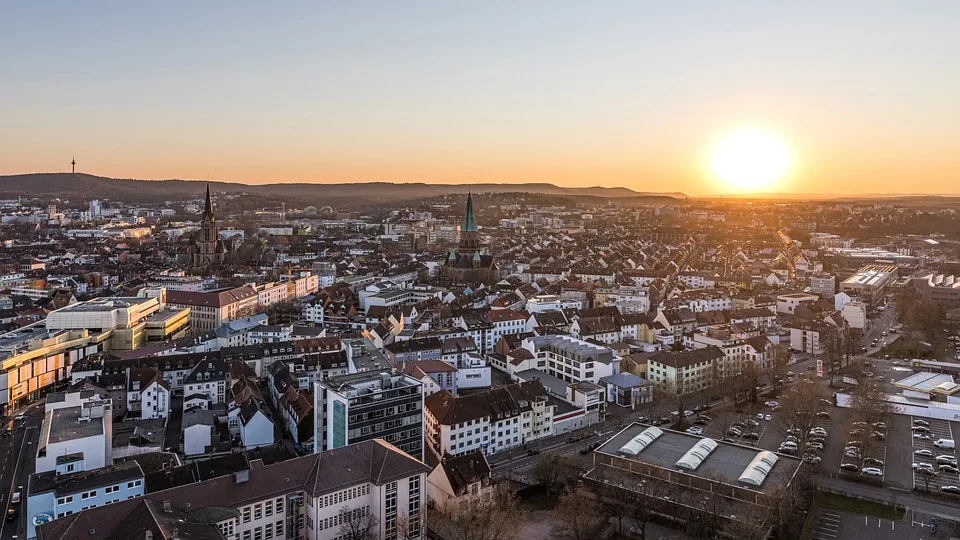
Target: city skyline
620,94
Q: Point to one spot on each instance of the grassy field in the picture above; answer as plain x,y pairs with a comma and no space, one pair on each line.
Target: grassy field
855,506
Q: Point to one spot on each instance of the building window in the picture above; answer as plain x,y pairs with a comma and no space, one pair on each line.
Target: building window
258,511
88,495
246,514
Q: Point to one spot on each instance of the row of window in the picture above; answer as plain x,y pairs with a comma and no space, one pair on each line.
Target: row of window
263,532
344,495
348,516
260,510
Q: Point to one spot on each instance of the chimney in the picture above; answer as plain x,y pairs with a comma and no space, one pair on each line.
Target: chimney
166,506
148,535
175,535
241,477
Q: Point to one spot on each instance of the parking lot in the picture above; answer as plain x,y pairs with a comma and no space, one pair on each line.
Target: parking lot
938,429
836,525
740,428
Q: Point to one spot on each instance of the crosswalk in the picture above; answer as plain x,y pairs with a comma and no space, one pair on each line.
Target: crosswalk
828,525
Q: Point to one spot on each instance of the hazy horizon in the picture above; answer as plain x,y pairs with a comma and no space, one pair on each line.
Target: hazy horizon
610,94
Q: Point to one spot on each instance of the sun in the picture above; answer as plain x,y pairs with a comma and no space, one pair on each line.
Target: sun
750,159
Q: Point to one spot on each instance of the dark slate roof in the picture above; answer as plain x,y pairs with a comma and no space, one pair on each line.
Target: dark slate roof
461,471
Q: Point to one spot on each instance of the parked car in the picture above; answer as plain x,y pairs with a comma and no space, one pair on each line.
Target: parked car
687,413
759,416
771,403
856,432
849,467
859,424
812,459
11,514
533,452
818,446
768,417
706,417
700,422
918,422
919,466
823,414
872,471
947,459
923,452
921,436
926,471
751,422
949,468
752,436
873,461
856,444
879,436
695,430
950,489
852,454
921,429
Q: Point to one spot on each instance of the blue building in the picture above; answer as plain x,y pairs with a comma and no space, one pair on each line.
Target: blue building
52,495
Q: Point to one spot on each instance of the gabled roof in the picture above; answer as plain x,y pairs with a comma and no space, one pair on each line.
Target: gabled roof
462,471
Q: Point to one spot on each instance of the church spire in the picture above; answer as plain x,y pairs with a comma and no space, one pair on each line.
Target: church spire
208,205
469,221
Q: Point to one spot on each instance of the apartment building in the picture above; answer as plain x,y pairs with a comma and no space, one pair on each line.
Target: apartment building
308,497
490,422
808,337
208,378
684,372
383,404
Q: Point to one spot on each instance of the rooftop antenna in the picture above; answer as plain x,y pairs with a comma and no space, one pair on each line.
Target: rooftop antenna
73,165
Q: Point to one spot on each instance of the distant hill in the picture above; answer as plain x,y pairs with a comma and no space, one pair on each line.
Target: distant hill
88,186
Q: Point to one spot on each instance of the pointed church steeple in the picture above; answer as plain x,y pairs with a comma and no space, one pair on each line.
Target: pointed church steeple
208,205
469,221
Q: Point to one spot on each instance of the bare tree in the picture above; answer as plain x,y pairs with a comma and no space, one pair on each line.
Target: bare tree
357,524
551,471
868,402
578,516
497,517
411,526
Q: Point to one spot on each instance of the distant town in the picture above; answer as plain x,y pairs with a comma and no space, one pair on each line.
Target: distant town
478,365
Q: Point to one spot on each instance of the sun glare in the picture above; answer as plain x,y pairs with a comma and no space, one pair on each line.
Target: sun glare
749,160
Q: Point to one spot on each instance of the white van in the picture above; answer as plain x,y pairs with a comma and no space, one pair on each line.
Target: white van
945,443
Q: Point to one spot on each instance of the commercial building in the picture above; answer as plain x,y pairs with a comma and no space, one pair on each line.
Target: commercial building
308,497
384,404
939,288
133,321
870,282
707,480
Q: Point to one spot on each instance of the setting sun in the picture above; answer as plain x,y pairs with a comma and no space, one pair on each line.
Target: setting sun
750,159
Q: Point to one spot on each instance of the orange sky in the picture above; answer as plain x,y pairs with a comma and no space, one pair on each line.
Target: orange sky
572,93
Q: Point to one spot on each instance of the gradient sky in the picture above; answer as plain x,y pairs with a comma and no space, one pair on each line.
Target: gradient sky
628,93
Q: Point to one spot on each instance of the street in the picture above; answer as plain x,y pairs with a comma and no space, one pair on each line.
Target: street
18,453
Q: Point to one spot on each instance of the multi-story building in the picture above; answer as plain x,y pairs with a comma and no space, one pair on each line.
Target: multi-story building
503,322
824,285
808,337
77,433
383,404
209,378
788,303
492,421
570,359
870,282
53,495
132,321
312,497
939,288
209,310
148,394
684,372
